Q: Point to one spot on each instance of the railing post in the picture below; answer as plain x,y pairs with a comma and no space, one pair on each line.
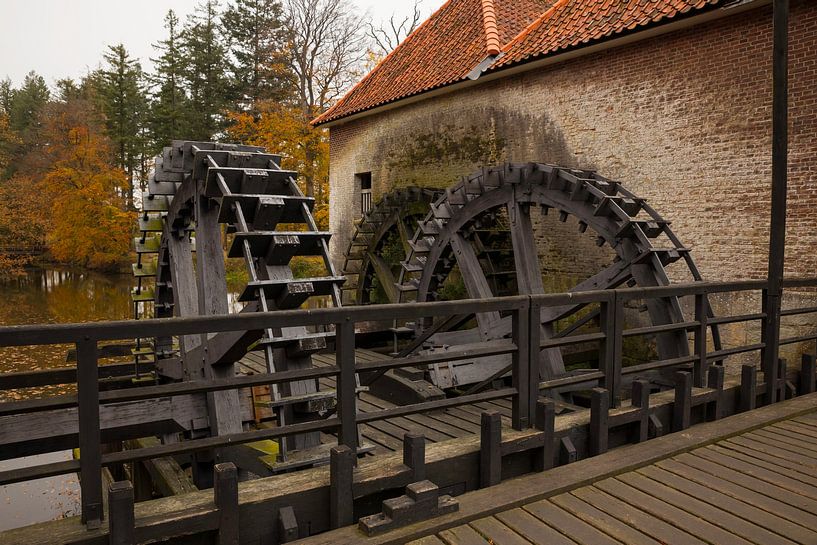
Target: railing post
611,322
225,496
599,421
701,316
341,483
490,449
120,506
414,455
346,385
521,368
769,336
90,453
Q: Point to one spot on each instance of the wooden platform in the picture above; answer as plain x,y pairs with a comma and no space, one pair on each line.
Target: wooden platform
748,479
387,435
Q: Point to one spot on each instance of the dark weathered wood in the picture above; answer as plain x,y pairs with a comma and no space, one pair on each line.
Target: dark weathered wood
748,387
225,496
120,517
89,433
475,282
414,455
287,525
807,374
682,408
345,359
341,496
777,228
545,422
490,457
641,399
521,370
701,316
567,451
599,421
715,378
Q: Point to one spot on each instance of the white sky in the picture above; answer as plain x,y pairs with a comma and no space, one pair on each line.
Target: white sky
66,38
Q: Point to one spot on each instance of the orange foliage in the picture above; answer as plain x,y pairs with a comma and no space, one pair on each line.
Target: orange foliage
87,226
286,130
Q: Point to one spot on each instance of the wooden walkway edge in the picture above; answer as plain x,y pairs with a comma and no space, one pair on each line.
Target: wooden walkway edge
532,488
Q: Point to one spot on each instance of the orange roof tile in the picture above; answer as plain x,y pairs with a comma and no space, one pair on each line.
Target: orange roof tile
463,33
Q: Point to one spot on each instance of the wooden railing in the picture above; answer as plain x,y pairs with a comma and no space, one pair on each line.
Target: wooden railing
524,347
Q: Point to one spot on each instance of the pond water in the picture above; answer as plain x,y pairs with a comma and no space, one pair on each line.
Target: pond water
50,296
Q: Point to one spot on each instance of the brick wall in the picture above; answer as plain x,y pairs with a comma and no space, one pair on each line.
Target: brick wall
682,119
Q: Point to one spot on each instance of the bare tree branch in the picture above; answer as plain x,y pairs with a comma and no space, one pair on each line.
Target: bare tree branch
326,51
389,35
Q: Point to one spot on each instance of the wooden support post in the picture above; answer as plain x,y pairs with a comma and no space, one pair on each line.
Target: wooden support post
701,316
599,421
807,374
490,457
641,399
287,525
521,369
611,323
777,225
546,423
120,514
414,455
225,495
781,378
347,386
682,408
715,377
341,497
90,451
748,388
567,451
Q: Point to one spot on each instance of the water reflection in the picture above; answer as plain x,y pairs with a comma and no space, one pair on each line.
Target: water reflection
50,296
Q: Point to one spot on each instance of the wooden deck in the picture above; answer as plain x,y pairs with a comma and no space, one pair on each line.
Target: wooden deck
750,479
387,435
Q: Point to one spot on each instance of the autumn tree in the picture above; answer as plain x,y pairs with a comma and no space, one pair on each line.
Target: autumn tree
86,223
257,43
170,117
205,53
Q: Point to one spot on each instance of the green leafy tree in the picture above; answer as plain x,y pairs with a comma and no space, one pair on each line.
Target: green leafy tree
171,116
27,102
258,60
208,85
124,102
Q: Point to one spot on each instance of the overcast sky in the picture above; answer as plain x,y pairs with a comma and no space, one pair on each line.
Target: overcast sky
66,38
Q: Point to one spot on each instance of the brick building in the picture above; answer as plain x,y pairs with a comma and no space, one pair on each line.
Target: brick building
671,97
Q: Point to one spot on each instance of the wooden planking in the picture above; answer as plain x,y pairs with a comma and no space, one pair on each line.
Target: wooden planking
669,513
726,494
665,532
568,524
603,521
387,435
462,535
533,529
496,532
730,521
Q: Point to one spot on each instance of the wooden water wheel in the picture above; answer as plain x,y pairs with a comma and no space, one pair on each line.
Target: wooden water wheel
383,232
205,197
483,227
